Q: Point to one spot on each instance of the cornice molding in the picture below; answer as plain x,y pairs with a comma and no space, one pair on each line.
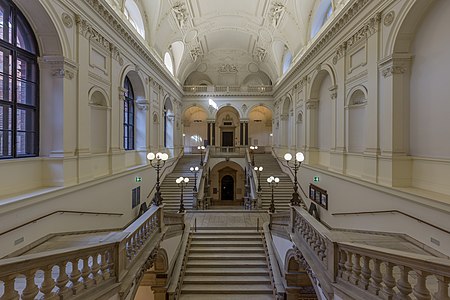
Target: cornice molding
133,42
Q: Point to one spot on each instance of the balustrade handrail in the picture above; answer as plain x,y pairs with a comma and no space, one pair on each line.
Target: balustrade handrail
201,182
430,264
252,175
62,212
390,211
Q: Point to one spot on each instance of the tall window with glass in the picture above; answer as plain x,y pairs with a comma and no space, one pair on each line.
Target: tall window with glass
19,85
128,116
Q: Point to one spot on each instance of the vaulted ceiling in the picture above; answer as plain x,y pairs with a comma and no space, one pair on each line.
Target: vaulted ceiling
242,36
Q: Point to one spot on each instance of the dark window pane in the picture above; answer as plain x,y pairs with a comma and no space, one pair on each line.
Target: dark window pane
25,143
5,22
26,69
5,88
25,38
5,143
25,120
5,117
26,92
5,61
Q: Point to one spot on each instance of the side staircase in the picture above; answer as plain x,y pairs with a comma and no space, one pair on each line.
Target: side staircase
282,192
226,264
171,192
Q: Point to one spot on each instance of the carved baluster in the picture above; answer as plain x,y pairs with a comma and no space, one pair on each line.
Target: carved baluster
341,264
110,263
75,277
375,284
356,270
403,284
62,280
389,282
9,292
129,248
420,289
348,265
322,249
95,268
442,292
104,266
48,284
365,273
31,289
85,272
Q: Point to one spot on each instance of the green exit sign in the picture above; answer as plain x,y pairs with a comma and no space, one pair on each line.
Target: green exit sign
316,179
138,179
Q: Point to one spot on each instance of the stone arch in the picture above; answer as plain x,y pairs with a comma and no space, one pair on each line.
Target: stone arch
355,115
287,122
297,275
195,127
227,128
168,124
228,168
318,78
260,125
98,96
99,120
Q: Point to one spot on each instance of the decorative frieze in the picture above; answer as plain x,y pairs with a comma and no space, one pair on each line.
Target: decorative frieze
368,29
59,66
260,54
388,71
389,18
115,53
86,30
312,104
143,104
180,14
276,12
333,92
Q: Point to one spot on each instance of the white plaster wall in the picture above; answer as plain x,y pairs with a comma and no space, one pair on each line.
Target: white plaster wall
356,129
324,115
282,246
430,89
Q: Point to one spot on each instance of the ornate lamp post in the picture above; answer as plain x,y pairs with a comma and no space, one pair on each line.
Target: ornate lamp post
258,171
273,181
182,182
202,149
195,171
157,161
252,154
299,158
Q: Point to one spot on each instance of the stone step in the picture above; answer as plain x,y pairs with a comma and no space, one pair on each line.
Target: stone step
226,243
223,250
218,271
227,256
226,289
226,297
192,279
218,237
229,263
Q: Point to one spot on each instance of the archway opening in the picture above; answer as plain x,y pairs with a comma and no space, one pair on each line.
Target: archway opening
227,188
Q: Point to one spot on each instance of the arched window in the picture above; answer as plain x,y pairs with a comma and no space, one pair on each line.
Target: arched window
287,59
323,13
134,16
19,83
128,116
168,62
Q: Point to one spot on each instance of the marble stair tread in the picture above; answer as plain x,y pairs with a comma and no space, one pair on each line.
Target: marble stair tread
227,288
218,271
236,231
227,250
190,279
227,237
231,263
227,243
227,256
226,297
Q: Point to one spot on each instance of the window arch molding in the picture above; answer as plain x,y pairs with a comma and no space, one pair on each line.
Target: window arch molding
19,85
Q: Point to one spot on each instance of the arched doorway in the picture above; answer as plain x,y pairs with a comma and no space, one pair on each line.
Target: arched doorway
227,188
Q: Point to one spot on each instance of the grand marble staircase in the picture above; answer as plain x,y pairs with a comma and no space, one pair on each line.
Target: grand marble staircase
283,191
171,192
226,264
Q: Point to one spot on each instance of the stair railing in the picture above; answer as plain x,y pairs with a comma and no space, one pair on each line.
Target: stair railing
202,182
363,271
255,198
272,261
86,270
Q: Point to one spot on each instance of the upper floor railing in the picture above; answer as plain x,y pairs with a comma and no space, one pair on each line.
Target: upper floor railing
85,271
233,89
364,271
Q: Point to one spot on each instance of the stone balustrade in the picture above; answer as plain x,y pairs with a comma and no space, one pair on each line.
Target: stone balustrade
390,274
71,272
363,271
223,89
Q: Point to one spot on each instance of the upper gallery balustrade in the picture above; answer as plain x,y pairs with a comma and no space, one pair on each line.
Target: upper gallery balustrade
221,89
